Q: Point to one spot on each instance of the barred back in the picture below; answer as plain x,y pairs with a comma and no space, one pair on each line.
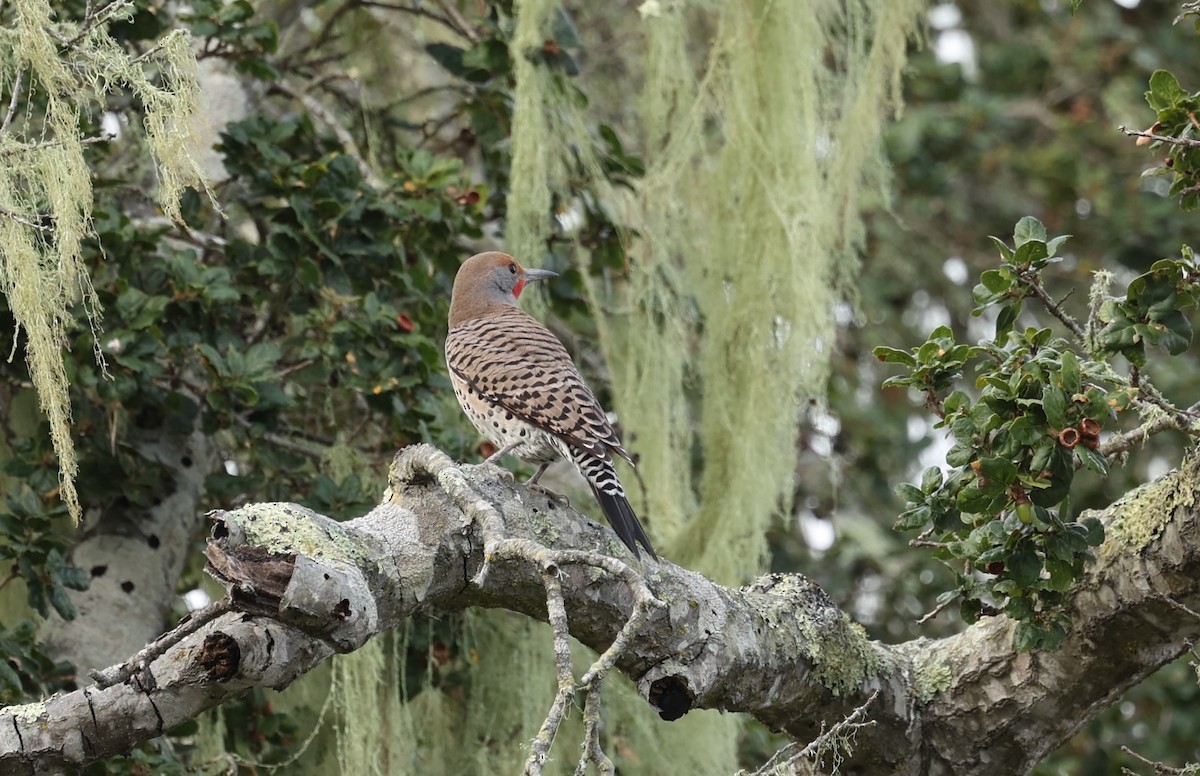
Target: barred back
511,360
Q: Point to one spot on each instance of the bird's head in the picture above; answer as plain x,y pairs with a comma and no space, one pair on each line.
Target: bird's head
493,277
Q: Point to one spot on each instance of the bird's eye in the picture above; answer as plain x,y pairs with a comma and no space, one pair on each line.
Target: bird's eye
512,268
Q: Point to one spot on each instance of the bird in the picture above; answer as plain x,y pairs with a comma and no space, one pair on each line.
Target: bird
519,387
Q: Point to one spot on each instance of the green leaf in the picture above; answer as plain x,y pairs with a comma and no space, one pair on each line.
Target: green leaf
910,493
1165,92
449,57
1061,574
1030,254
894,356
1095,529
1054,244
1028,229
912,519
1070,377
1024,566
960,455
998,470
996,281
1006,319
1006,253
62,602
1093,460
1054,404
931,479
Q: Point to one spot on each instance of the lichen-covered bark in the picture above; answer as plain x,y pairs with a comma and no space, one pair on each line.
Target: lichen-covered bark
778,649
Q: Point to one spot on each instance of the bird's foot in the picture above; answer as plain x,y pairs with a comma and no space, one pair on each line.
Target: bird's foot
499,470
559,498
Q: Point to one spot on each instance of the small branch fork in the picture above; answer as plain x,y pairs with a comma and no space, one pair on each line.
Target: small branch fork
497,548
1186,142
1147,395
139,663
831,741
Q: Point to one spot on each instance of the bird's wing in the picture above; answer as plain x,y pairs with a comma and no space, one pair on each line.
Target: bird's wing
516,363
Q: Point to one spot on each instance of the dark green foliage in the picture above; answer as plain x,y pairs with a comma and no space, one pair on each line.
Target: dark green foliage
1152,311
1001,517
300,329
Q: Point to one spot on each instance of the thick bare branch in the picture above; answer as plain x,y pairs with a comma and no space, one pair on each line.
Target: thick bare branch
778,649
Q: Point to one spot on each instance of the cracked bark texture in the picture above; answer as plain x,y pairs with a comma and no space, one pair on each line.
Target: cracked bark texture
778,649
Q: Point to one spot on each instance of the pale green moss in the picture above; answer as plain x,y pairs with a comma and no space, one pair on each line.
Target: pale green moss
29,712
839,649
842,655
930,677
283,529
1141,514
46,187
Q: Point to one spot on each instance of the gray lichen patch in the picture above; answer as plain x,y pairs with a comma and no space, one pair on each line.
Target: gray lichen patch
930,677
27,713
841,654
1141,515
283,529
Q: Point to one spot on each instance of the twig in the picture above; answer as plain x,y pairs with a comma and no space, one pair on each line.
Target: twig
449,17
12,574
305,448
496,548
556,609
1177,420
183,233
1031,283
1159,767
326,34
326,117
935,611
151,51
1179,141
94,17
20,219
123,672
590,750
18,85
1179,606
463,26
841,730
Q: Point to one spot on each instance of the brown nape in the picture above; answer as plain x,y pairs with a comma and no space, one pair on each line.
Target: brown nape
478,287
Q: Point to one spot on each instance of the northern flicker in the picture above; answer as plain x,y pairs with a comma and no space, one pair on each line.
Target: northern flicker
517,384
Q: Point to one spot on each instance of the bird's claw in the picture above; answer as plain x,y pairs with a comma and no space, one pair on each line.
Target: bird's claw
499,470
552,495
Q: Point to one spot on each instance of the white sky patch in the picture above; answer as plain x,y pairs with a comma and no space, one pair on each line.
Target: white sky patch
818,533
110,125
1157,467
955,270
196,599
955,47
945,16
570,220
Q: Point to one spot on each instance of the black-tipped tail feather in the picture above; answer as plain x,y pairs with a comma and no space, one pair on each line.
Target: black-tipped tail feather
624,522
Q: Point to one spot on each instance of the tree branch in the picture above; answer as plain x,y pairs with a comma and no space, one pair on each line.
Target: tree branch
447,538
1186,142
344,136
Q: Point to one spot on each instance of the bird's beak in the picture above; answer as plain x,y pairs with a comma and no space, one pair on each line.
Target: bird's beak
531,275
